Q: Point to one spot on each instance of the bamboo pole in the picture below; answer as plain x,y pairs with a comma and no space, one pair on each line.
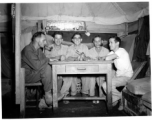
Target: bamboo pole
17,51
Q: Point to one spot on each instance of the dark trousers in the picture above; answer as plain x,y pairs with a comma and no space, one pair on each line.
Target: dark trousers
44,75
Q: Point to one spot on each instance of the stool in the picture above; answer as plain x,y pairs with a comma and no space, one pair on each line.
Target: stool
37,87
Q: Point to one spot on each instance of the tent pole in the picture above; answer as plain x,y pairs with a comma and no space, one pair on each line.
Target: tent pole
0,60
17,52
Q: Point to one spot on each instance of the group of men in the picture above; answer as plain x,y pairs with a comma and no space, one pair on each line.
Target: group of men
37,55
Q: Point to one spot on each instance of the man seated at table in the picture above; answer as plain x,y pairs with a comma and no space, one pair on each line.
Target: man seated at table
78,52
58,53
123,71
37,68
96,54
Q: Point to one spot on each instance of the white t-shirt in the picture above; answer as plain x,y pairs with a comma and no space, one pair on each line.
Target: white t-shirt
122,63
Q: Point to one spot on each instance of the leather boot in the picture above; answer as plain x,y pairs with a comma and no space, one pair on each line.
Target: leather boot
48,98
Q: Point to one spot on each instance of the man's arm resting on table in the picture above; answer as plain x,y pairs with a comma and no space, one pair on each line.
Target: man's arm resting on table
72,58
109,57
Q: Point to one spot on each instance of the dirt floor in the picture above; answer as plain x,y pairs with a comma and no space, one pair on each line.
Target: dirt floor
73,109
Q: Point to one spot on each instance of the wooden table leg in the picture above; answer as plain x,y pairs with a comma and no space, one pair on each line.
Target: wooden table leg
100,93
109,88
54,79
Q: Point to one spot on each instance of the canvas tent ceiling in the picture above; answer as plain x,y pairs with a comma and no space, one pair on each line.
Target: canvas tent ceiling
109,13
101,13
103,17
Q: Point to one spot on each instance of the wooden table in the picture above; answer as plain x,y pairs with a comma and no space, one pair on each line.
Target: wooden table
82,67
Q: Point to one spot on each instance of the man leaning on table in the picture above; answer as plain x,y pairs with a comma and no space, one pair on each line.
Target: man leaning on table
123,71
37,67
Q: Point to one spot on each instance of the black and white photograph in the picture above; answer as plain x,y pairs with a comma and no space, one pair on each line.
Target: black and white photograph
82,59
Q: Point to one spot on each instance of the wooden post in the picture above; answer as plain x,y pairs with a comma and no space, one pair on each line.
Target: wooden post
109,88
22,92
17,52
0,59
39,26
44,25
54,78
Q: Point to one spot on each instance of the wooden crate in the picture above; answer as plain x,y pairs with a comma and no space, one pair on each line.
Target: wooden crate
133,104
